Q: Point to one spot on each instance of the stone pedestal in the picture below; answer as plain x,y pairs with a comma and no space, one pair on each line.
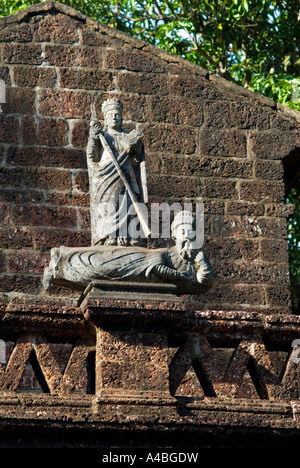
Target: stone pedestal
132,353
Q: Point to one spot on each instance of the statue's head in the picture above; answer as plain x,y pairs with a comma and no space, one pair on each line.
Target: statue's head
112,111
184,232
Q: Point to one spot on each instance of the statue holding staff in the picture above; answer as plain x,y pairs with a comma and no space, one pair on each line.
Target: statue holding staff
117,178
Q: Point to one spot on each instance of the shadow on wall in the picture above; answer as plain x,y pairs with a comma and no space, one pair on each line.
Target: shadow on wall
292,182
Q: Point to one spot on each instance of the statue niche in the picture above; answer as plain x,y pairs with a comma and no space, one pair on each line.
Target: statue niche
118,189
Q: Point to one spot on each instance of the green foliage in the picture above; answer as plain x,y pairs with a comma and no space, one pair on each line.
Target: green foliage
254,43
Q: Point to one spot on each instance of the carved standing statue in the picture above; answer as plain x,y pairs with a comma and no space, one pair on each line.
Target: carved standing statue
117,178
116,166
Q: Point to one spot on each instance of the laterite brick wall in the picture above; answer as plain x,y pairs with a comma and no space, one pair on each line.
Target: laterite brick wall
206,140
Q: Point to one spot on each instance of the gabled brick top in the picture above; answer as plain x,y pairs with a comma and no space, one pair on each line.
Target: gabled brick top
206,140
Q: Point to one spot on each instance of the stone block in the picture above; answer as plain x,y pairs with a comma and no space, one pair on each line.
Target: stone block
274,144
30,76
40,215
81,181
274,249
83,78
143,83
79,134
236,115
16,33
68,56
218,188
170,139
262,191
31,262
70,104
19,101
46,178
55,28
38,156
133,364
133,60
166,186
176,111
52,132
27,54
196,87
222,143
9,129
269,170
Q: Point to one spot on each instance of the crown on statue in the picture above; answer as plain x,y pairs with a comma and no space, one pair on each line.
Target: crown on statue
112,104
183,217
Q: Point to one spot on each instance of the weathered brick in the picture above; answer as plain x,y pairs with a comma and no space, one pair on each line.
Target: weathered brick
227,293
42,178
28,130
83,78
176,111
235,115
245,208
218,167
36,156
46,238
71,198
11,177
239,226
5,75
30,76
272,144
25,284
39,215
11,195
279,210
19,101
16,33
80,134
220,247
222,143
84,219
81,181
30,261
59,28
278,296
274,249
133,60
195,87
2,262
252,272
29,54
218,188
52,132
67,56
170,139
15,238
273,227
9,129
96,38
4,214
143,83
70,104
264,169
168,186
262,191
134,107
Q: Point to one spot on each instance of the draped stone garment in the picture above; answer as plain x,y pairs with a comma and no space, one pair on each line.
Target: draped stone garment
80,266
109,200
